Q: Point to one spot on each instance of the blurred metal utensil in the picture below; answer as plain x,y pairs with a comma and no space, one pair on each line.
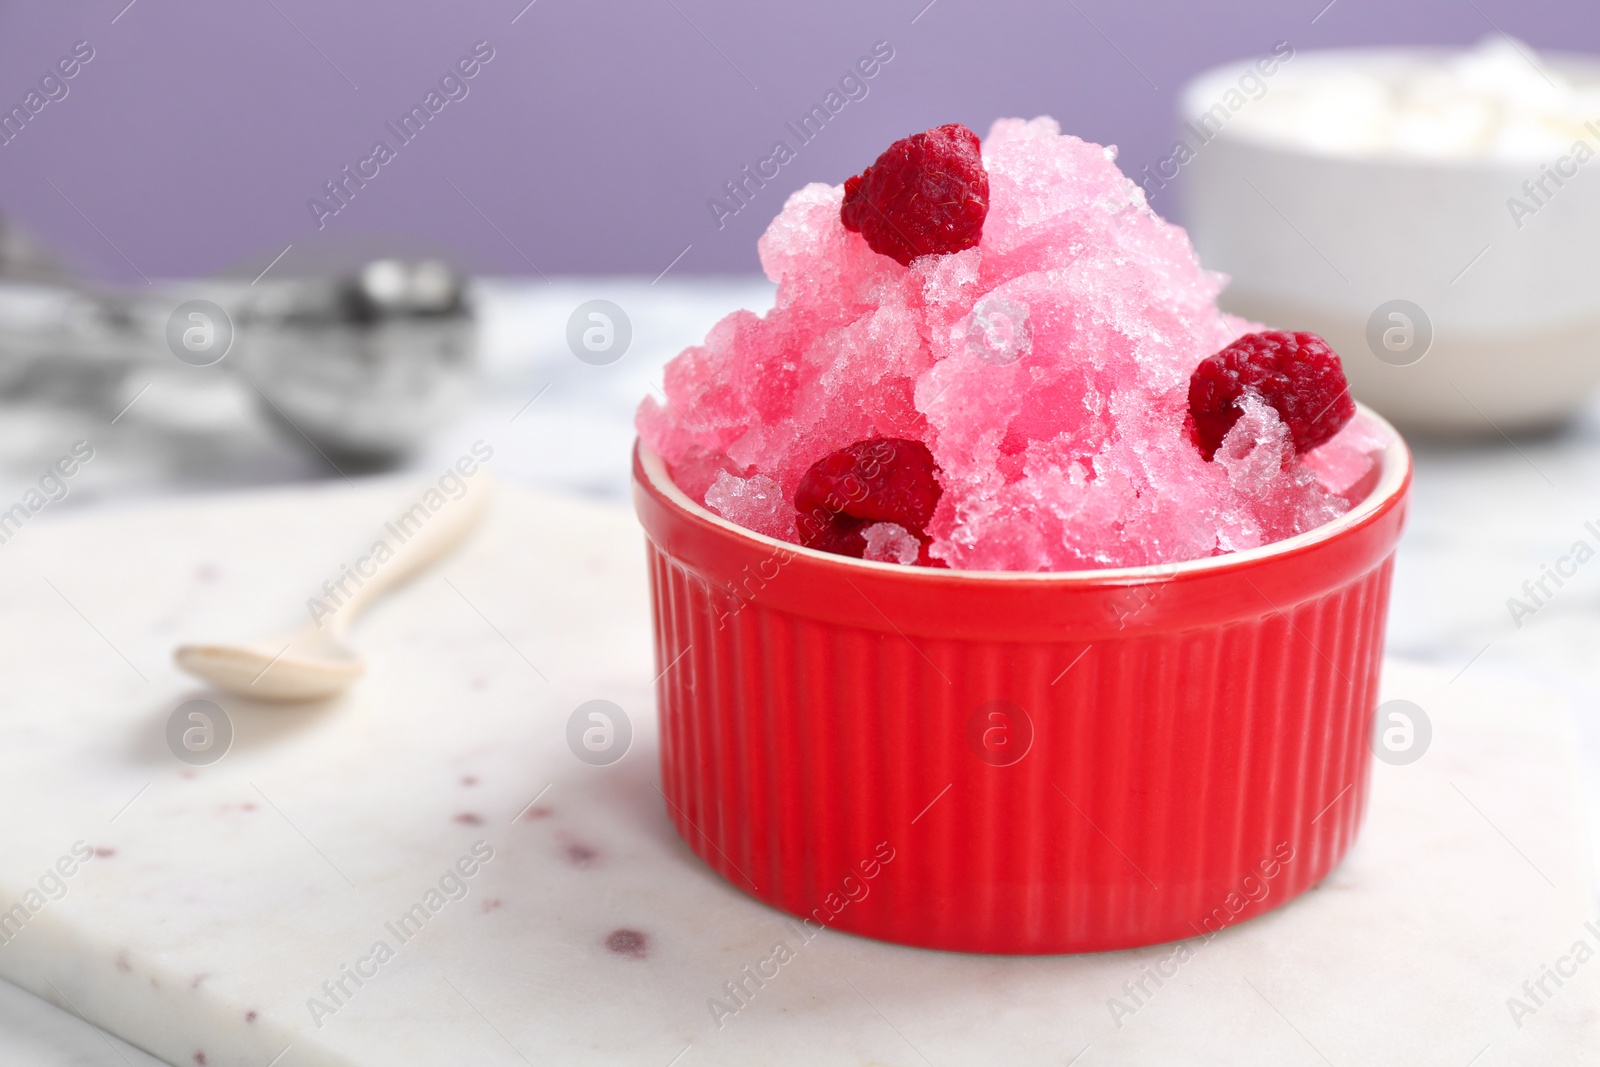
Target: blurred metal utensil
23,260
363,366
361,355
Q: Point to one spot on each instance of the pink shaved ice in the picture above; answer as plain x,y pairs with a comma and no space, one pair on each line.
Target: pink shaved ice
889,542
1046,370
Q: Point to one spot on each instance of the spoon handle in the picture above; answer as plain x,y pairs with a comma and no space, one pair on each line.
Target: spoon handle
428,535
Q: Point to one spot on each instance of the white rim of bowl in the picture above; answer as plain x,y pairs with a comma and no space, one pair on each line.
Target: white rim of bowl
1396,459
1203,91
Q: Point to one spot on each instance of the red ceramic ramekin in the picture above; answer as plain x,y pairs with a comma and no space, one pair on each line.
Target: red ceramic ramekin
1018,763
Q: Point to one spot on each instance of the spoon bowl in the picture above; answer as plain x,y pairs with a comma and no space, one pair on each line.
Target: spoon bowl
300,664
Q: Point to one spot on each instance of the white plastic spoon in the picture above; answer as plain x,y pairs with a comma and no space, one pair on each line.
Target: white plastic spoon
314,661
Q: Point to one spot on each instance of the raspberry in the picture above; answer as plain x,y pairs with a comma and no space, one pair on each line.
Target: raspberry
1296,373
885,479
928,193
840,534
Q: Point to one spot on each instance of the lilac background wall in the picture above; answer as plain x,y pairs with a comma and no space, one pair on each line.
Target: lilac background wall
593,139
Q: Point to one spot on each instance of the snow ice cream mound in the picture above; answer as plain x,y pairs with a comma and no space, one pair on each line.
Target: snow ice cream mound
1005,362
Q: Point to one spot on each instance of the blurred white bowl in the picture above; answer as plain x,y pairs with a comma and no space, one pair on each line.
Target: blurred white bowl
1503,328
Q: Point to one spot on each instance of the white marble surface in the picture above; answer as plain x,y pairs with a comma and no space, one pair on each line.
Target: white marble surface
220,899
1486,515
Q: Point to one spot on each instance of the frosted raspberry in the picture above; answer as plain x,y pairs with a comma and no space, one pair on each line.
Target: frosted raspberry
928,193
885,479
1296,373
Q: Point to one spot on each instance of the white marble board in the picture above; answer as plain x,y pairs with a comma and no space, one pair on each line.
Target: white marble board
219,899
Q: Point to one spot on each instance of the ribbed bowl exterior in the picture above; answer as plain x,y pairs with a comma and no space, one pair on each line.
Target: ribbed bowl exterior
986,764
